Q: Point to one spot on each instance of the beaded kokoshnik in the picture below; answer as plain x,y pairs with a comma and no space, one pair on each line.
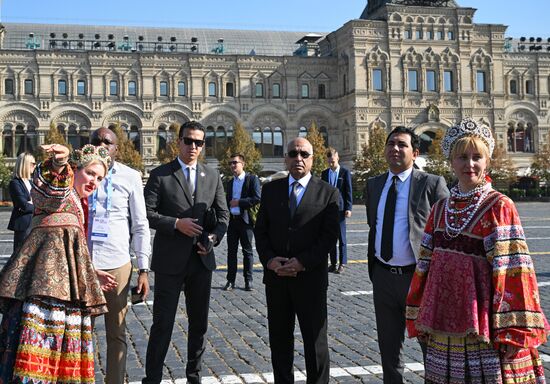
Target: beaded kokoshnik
457,219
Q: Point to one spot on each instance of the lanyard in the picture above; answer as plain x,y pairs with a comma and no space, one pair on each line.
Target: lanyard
109,189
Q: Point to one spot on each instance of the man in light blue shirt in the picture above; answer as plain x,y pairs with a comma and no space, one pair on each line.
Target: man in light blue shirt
117,220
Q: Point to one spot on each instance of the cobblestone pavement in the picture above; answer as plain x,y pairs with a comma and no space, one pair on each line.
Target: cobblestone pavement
238,349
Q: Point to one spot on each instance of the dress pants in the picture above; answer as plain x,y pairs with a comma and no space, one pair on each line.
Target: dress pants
286,299
237,231
115,324
390,296
342,242
195,281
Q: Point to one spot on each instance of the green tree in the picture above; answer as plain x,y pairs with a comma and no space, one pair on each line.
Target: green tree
241,142
371,160
53,136
5,173
127,153
540,168
502,169
169,153
319,150
437,163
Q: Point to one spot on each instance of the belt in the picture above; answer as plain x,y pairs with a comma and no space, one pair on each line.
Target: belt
396,270
232,216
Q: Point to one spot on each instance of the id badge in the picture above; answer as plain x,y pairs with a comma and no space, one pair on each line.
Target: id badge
100,228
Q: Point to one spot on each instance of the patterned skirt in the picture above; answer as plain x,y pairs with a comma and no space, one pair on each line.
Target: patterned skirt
459,360
54,346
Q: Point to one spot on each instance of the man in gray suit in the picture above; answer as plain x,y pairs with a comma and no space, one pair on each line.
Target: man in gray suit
186,206
398,205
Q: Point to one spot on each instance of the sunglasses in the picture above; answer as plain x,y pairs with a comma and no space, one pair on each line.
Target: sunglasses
294,153
190,141
234,162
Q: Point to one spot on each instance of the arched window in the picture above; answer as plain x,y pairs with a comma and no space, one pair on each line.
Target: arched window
133,135
513,87
181,88
229,90
72,136
269,141
529,87
322,91
324,133
19,140
29,87
209,141
113,88
305,91
132,88
426,140
62,87
259,90
212,89
8,87
163,137
163,88
520,138
276,91
81,87
221,141
303,132
278,142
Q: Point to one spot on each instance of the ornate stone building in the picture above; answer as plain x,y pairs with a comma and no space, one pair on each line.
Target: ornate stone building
419,63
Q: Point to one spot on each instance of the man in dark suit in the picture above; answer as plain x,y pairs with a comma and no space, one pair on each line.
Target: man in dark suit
339,177
297,226
181,198
242,194
398,205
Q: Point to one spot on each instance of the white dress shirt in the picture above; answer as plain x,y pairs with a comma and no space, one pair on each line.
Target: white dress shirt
192,169
302,185
402,251
127,217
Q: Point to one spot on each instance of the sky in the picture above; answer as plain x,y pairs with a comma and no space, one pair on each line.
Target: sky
524,18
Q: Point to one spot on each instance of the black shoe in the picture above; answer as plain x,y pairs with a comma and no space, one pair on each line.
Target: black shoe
340,269
229,286
332,268
248,286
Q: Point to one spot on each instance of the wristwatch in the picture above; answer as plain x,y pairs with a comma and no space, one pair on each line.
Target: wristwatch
144,270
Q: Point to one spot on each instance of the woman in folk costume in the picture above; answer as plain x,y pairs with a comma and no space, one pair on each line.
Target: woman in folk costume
49,289
474,297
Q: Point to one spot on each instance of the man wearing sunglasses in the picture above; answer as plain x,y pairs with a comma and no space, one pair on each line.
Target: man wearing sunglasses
296,228
243,194
340,178
179,197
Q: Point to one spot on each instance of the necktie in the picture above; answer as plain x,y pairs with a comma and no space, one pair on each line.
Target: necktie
293,199
190,181
389,218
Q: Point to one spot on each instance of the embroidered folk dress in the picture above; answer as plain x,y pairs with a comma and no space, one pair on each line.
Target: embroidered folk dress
49,290
474,293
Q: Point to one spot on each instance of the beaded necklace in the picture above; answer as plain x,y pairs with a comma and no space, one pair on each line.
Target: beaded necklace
456,220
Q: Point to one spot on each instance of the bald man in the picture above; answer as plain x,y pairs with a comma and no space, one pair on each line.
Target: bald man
296,228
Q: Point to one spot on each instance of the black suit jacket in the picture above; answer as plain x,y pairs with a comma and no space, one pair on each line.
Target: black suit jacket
309,235
343,184
167,197
426,189
21,215
250,194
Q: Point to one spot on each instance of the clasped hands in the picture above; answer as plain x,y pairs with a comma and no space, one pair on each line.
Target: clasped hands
189,227
285,267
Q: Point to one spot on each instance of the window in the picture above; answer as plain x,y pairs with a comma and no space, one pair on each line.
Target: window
132,91
450,35
407,34
429,35
481,81
321,91
163,88
418,34
19,140
377,83
439,35
305,91
212,89
529,88
229,90
448,80
113,88
181,88
269,141
29,87
259,90
61,87
8,87
431,81
276,91
513,87
80,87
413,80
